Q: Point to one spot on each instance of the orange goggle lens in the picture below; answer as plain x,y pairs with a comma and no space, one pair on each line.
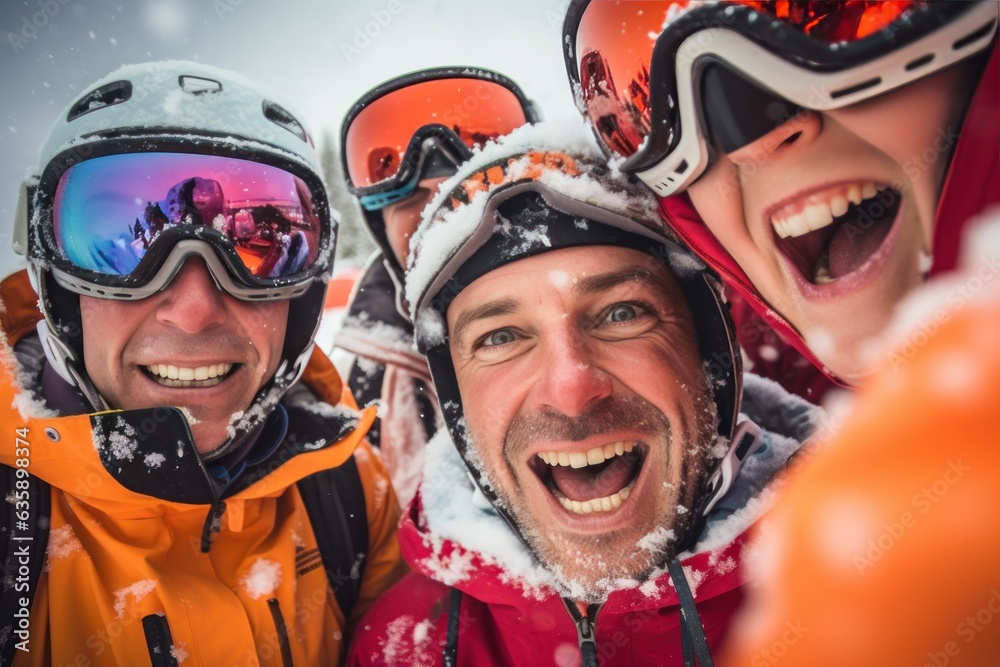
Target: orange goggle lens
475,110
615,40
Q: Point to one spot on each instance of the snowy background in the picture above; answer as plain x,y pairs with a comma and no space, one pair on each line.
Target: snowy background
314,54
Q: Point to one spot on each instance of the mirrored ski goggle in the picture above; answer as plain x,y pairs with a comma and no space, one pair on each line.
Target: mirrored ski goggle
665,83
122,225
418,127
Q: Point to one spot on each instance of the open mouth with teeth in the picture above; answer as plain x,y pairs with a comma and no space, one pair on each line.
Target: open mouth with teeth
835,232
181,376
591,482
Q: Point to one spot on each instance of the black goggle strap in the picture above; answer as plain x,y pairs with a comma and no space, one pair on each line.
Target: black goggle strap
433,151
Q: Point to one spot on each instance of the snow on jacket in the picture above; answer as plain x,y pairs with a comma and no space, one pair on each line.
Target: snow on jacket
383,366
511,612
130,505
971,185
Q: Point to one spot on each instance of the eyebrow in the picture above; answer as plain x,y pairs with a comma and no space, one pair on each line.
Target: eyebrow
488,309
602,282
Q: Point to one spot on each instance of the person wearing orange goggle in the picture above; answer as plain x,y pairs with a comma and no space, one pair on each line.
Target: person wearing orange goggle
823,156
828,158
399,141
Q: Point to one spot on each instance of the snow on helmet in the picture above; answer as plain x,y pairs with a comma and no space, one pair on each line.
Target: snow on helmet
175,121
421,125
528,195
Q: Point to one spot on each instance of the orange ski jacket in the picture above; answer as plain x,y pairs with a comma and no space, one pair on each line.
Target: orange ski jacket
132,509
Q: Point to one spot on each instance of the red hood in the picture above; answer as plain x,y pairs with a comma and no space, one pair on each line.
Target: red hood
971,185
710,573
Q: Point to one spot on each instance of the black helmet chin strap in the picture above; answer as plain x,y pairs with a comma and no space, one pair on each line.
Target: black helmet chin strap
68,367
65,356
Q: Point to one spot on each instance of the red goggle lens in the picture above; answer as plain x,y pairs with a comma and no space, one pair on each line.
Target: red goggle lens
615,40
475,110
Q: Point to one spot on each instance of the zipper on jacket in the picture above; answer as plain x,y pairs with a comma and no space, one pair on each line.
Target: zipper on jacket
159,641
586,631
213,524
282,632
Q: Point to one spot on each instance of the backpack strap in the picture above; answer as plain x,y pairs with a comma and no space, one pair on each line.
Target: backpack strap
21,539
335,502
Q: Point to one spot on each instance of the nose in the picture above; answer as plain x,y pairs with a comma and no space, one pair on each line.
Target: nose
798,132
192,302
568,379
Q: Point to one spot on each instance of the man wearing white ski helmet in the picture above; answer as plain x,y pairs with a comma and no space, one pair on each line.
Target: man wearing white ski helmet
182,450
591,501
400,140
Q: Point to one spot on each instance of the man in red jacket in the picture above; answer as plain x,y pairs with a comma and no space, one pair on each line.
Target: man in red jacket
590,502
824,157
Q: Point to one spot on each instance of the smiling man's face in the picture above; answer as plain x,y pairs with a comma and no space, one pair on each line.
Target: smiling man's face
190,345
586,405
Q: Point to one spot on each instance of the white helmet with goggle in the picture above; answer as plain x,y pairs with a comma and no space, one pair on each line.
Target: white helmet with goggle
161,161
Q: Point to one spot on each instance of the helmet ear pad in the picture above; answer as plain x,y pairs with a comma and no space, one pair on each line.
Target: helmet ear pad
375,223
305,308
63,309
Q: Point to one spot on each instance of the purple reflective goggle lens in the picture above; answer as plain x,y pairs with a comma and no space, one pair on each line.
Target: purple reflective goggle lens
110,212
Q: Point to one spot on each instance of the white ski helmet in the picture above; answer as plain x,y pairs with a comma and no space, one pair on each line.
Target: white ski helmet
194,114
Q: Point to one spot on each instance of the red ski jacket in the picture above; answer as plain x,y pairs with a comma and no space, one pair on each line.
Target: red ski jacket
509,611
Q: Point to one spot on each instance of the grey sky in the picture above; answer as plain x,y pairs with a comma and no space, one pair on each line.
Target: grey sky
311,53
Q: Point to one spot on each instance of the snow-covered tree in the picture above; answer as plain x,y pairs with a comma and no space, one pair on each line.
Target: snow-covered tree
354,244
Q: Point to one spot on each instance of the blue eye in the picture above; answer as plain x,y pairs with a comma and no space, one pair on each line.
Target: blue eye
622,313
501,337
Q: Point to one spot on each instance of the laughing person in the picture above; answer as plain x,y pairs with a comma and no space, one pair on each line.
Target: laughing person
587,502
825,181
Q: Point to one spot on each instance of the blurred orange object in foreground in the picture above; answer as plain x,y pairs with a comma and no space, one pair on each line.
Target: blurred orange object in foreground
884,548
